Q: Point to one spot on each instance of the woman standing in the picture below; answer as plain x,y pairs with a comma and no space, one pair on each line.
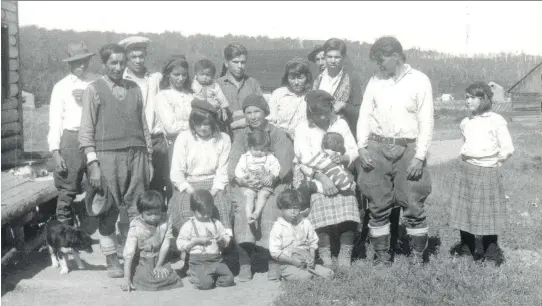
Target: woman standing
334,214
287,104
248,237
200,161
342,84
235,84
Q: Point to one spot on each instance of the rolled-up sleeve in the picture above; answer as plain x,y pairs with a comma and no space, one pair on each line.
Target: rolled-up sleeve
425,118
221,177
89,117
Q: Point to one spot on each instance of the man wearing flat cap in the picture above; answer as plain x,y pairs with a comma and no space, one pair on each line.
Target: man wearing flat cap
317,56
64,120
149,83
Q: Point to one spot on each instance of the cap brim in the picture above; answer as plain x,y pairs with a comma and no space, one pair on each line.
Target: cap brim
78,57
312,56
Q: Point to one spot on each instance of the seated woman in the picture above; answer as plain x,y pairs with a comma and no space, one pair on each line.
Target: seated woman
334,214
287,104
200,161
248,236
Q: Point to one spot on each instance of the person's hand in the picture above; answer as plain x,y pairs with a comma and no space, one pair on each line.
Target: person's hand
336,158
151,172
268,180
300,263
78,95
253,182
60,163
214,191
190,189
128,286
95,175
160,272
222,242
365,158
327,185
338,106
415,170
310,263
225,115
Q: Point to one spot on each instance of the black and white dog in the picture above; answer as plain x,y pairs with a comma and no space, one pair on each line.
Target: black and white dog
62,240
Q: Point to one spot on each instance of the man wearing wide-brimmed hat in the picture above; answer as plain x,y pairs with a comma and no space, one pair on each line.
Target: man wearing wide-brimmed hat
136,71
64,120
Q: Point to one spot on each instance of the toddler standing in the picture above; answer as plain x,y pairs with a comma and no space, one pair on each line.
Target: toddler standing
478,204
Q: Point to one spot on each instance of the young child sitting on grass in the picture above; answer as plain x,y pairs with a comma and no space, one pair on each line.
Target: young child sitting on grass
203,238
478,204
293,241
260,164
148,242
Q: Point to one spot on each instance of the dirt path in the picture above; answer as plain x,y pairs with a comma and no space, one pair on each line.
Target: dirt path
33,282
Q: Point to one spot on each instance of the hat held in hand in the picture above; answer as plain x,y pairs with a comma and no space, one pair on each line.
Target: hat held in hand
98,201
77,51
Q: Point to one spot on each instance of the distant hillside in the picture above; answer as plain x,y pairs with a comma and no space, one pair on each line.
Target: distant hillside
42,51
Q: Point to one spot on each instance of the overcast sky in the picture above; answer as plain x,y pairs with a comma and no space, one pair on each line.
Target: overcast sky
442,26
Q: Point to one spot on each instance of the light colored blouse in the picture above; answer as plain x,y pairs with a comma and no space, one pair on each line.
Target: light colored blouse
173,110
487,140
308,141
286,238
287,109
139,238
197,160
212,229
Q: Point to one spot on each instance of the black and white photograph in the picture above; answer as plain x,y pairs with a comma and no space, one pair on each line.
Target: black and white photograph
283,153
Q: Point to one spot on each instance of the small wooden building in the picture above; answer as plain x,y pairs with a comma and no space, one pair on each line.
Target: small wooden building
12,112
526,94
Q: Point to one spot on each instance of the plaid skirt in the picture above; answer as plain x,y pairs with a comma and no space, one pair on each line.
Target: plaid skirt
259,232
179,206
333,210
477,200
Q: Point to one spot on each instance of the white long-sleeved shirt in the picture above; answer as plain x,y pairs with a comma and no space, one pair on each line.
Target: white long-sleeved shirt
399,107
487,140
150,86
64,111
308,141
249,163
195,160
329,83
213,229
173,110
286,238
287,109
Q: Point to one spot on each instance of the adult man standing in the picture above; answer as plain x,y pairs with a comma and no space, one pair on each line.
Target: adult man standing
64,121
394,133
149,83
117,144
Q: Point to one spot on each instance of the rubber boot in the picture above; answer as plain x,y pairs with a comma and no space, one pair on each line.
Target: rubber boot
492,251
345,255
418,244
465,247
381,247
325,255
114,270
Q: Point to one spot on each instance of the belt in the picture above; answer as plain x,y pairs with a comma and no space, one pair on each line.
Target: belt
390,140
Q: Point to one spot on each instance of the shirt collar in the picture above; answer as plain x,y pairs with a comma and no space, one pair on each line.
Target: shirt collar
112,83
338,76
129,74
231,79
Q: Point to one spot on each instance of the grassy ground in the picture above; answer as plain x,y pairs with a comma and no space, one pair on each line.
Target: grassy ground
36,127
453,281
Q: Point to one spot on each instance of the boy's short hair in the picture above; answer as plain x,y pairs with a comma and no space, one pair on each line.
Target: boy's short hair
289,199
201,200
109,49
150,200
258,139
203,64
386,46
333,141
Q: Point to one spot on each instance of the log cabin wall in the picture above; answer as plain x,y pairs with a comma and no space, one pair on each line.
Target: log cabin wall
12,111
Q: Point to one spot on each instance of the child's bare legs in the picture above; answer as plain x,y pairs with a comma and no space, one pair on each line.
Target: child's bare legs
250,196
263,195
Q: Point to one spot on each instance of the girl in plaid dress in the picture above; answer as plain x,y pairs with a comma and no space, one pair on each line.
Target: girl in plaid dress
478,205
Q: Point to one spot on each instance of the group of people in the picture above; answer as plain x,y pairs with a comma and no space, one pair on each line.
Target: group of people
226,175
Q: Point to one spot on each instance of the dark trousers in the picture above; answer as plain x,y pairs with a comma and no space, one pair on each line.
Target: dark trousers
206,270
68,182
160,162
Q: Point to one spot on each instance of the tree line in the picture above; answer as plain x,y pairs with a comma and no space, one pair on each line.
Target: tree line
42,51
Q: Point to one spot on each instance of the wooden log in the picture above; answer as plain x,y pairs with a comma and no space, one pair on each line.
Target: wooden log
13,65
11,129
9,116
12,28
10,103
13,90
3,14
13,77
12,40
28,247
11,16
11,143
11,159
41,194
13,51
9,6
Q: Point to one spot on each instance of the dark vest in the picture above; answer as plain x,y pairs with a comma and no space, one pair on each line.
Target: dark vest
119,124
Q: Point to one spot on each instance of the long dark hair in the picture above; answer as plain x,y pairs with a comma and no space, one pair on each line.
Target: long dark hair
483,91
198,117
232,51
174,62
297,67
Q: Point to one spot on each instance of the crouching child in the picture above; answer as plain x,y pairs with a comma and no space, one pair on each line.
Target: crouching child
293,241
203,238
